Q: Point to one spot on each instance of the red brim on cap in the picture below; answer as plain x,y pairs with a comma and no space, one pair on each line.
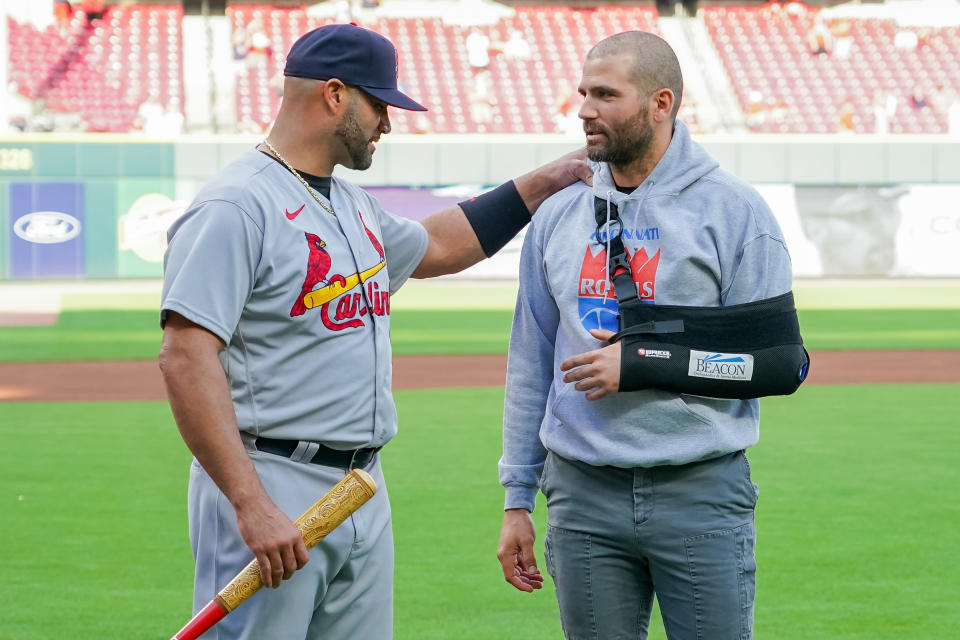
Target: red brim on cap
395,98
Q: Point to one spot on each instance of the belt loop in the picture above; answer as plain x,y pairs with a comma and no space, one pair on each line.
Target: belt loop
353,459
305,451
249,441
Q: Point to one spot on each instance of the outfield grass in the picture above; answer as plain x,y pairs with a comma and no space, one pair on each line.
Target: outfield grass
857,519
135,335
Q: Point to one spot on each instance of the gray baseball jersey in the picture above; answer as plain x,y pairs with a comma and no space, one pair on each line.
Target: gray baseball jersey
300,297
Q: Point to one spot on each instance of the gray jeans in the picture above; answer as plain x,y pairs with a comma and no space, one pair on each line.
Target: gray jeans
617,536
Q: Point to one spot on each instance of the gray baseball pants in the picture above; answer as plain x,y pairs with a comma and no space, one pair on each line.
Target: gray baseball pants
345,592
615,537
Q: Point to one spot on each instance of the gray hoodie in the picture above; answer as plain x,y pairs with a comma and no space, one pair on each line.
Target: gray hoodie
695,235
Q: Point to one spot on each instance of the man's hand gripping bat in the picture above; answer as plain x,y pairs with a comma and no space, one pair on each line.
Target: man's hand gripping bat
324,516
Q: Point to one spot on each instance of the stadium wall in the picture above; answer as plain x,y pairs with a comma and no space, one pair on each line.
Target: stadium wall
98,207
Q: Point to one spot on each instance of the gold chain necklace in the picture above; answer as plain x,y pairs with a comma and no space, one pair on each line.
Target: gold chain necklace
315,195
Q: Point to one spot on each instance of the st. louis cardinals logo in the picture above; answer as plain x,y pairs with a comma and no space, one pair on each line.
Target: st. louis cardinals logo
598,306
340,306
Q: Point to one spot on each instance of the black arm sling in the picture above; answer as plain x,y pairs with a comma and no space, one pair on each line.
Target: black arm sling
741,351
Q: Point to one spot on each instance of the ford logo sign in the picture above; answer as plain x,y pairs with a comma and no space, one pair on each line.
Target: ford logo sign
47,227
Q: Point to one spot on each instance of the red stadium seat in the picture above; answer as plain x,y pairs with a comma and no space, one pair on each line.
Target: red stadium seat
102,71
767,42
434,66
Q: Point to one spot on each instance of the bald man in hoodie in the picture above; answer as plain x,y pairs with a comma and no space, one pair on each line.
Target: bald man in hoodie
648,492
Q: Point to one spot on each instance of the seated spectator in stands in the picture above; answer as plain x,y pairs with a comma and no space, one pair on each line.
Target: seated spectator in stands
18,123
796,9
819,38
150,116
258,49
516,48
940,100
42,122
94,9
953,116
62,13
238,44
905,39
946,101
761,110
884,106
777,108
344,12
846,118
689,116
421,124
566,118
756,109
918,99
478,49
172,123
842,38
481,98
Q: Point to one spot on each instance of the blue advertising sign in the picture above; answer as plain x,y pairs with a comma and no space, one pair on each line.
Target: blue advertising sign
46,222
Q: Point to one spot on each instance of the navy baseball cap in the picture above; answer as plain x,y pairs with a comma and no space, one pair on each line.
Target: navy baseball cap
356,56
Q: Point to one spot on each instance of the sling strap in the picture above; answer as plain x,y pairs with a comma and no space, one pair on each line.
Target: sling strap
747,350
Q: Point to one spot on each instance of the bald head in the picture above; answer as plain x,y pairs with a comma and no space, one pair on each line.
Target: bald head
654,64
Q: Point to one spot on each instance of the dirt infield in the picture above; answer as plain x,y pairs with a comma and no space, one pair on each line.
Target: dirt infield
118,381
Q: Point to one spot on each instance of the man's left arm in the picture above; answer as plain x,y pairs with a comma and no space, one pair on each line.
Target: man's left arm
463,235
763,271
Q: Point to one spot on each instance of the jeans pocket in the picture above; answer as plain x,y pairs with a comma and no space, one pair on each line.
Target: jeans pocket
722,580
569,560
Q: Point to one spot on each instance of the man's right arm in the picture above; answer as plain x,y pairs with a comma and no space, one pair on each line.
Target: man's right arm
529,378
200,399
453,241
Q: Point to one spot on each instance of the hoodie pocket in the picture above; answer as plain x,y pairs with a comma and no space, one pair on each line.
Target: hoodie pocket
569,405
649,425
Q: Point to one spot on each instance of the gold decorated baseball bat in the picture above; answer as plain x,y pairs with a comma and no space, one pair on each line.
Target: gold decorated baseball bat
324,516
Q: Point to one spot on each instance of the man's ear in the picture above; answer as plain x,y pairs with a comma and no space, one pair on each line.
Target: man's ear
662,102
335,94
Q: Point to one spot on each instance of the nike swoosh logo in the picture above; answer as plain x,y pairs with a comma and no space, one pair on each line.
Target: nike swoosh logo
291,216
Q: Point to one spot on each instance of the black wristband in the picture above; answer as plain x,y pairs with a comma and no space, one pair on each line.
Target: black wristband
496,216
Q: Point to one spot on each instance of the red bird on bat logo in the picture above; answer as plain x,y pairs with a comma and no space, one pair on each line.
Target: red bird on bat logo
318,265
341,306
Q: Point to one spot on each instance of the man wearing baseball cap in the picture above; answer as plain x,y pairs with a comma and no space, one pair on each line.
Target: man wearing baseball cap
356,56
276,349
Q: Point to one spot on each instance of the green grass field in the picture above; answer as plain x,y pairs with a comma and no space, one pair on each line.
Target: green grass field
134,335
857,519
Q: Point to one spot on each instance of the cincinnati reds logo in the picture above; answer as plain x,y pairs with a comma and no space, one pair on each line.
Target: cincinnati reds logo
340,306
597,300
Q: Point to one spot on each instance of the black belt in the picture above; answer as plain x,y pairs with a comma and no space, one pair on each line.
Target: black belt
340,458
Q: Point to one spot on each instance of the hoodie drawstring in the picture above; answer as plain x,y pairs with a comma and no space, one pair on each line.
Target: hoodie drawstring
609,284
